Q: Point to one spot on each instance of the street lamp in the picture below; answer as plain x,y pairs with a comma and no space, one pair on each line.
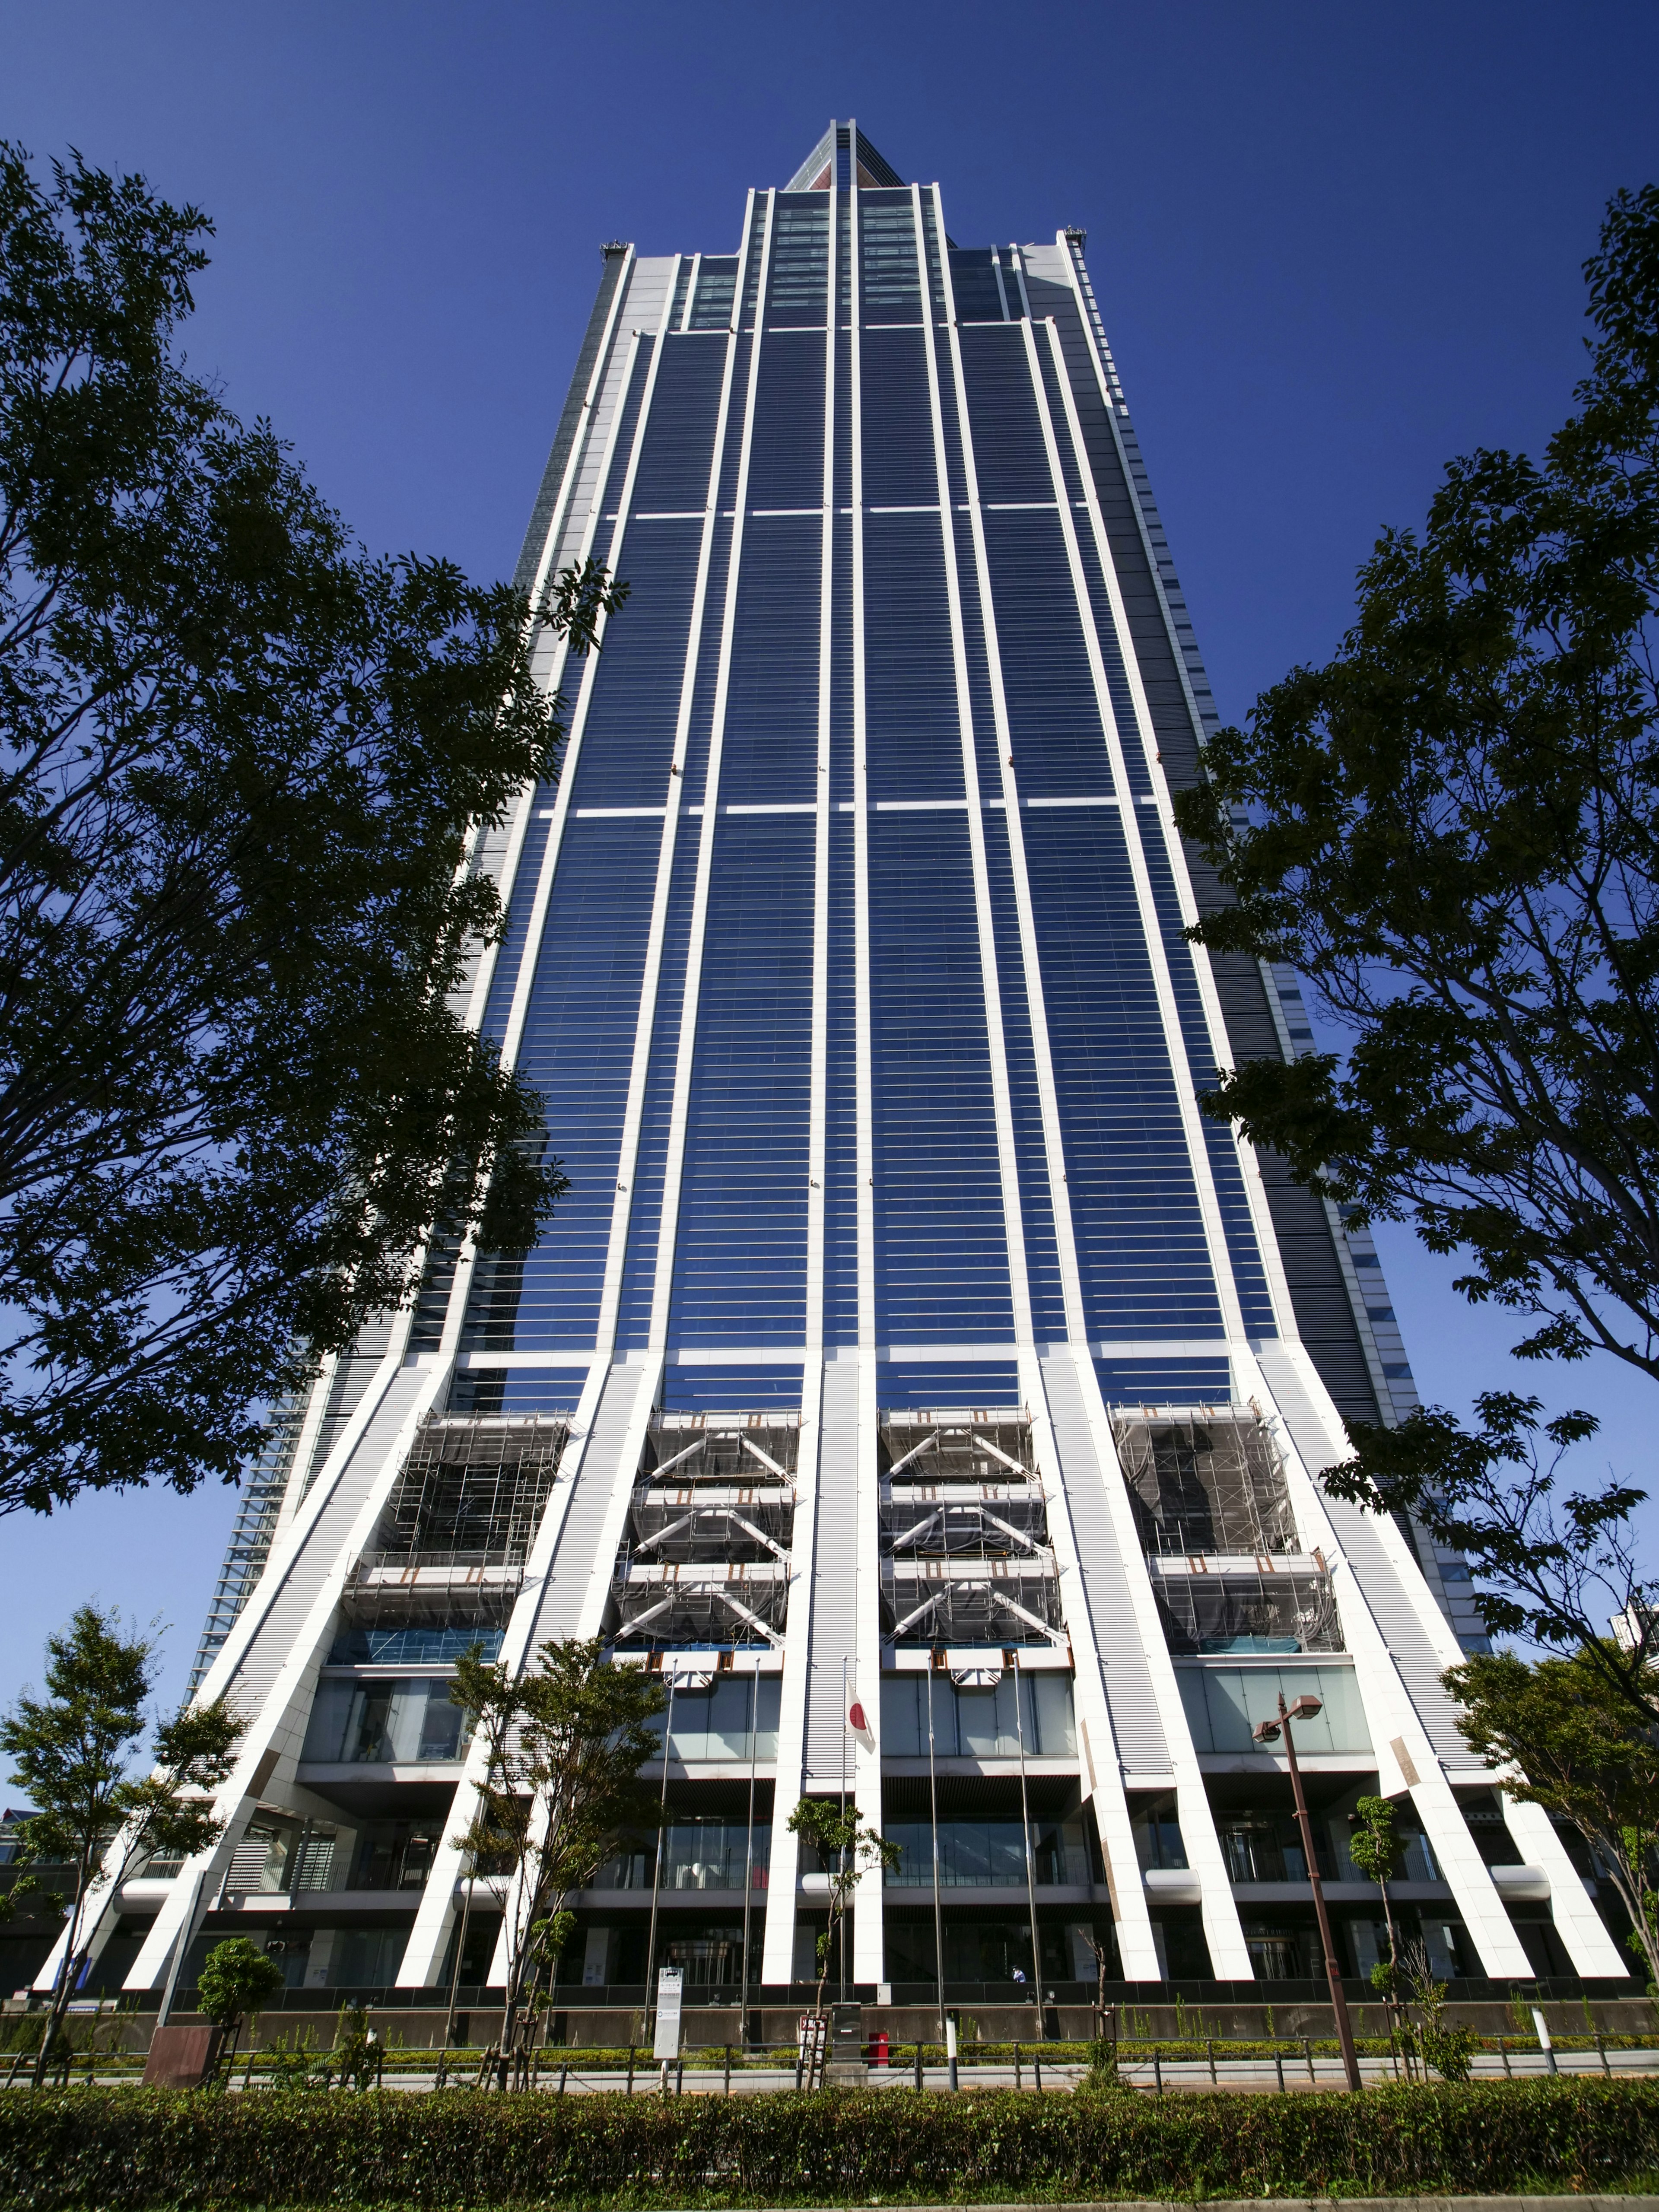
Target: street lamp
1304,1709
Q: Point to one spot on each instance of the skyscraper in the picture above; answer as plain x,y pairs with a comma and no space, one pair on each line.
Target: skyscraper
913,1373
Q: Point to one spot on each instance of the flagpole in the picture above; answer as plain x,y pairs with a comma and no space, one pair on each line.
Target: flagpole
846,1730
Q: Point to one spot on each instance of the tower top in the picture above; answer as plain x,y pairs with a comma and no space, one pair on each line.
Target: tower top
843,156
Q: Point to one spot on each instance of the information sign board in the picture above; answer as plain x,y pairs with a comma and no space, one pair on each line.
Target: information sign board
671,1984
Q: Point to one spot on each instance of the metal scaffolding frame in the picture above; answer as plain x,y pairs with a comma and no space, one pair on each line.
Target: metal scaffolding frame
707,1556
1248,1612
738,1601
964,1534
1204,1480
261,1502
459,1525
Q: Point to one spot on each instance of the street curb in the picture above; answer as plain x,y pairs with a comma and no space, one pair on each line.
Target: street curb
1590,2203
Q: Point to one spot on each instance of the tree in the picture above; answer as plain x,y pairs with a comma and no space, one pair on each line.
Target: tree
1450,831
240,766
1104,1957
563,1746
72,1751
1552,1569
1375,1850
849,1850
1102,2058
235,1980
1570,1743
1435,2040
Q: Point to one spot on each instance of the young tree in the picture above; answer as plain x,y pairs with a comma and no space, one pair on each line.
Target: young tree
240,764
1449,830
1104,1958
1376,1851
235,1981
563,1746
849,1850
73,1751
1434,2040
1574,1747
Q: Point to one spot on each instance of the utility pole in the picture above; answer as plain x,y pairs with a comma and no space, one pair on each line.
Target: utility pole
1304,1709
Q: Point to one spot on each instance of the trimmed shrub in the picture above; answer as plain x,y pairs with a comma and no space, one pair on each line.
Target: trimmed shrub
134,2150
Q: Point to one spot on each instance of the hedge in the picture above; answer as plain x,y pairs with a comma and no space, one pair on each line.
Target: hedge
137,2150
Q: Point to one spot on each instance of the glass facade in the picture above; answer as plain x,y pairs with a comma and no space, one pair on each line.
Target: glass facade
860,522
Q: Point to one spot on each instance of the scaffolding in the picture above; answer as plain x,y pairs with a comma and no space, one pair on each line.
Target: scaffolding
706,1559
721,1447
722,1604
966,1558
1260,1613
460,1524
256,1514
1204,1480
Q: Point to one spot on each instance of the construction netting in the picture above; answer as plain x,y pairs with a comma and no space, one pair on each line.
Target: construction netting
1205,1480
1248,1612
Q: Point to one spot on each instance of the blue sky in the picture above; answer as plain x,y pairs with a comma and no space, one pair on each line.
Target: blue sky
1334,247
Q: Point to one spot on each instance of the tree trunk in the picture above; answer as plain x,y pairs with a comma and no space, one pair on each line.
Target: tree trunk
63,1989
1636,1904
820,2046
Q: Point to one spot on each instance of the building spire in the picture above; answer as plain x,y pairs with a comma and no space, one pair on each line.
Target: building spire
843,156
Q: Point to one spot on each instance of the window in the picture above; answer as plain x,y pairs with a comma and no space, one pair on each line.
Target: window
395,1854
367,1958
800,259
1158,1840
713,1725
889,282
717,284
977,1723
1268,1847
1224,1704
405,1721
1276,1953
423,1646
988,1854
696,1855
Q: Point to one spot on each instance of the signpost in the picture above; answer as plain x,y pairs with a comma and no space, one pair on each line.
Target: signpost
671,1984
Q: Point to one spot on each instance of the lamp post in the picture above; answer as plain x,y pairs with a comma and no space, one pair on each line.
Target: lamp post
1304,1709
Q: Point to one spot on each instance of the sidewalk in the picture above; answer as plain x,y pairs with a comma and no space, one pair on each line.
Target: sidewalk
1244,2075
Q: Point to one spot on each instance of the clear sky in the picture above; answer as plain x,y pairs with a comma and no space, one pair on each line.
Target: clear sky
1333,246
